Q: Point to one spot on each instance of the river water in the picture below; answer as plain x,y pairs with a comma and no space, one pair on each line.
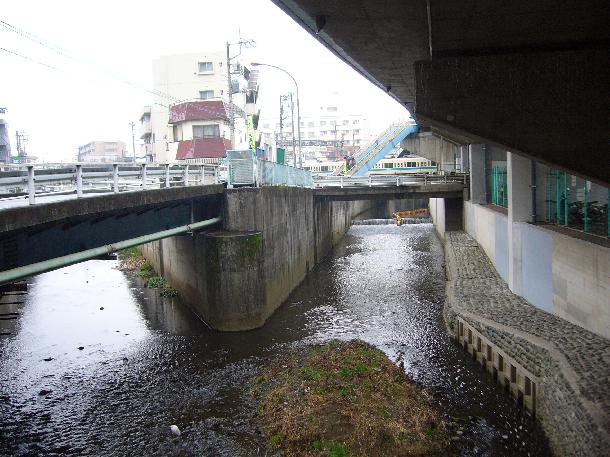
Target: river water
76,379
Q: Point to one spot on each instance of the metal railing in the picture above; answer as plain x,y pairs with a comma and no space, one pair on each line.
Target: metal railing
245,169
44,180
413,179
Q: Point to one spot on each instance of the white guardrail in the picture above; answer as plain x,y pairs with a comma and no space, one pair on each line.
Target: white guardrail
43,180
391,180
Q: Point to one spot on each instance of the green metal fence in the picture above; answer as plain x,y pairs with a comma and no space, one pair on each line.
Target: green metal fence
499,189
577,203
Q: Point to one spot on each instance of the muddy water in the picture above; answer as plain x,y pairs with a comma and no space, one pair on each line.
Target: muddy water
147,363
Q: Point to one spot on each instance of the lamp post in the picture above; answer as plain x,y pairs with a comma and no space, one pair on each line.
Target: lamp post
258,64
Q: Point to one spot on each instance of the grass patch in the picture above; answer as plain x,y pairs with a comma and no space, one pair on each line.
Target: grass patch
130,259
168,291
156,282
345,399
146,270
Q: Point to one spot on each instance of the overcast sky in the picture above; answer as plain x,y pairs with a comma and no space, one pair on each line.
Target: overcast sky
82,98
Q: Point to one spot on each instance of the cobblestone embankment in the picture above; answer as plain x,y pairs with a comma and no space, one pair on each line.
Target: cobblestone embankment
569,365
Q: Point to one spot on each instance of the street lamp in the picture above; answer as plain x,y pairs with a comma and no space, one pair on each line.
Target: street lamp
258,64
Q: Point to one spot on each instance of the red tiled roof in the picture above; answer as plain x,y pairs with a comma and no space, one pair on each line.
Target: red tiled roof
205,110
203,147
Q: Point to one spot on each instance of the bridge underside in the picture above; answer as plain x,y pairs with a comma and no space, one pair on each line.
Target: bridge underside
390,192
530,76
43,232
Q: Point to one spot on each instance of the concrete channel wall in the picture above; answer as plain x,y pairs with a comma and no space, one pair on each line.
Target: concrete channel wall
555,369
553,271
235,278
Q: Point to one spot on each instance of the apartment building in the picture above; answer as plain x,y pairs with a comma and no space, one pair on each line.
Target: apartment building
5,144
329,133
103,151
194,112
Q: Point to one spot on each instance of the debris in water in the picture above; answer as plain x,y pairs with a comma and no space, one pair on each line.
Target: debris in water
80,348
48,359
175,430
101,308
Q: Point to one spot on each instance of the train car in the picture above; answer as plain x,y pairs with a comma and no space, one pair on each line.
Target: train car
323,168
403,165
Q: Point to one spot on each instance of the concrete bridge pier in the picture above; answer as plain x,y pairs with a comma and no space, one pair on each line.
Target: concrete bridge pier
235,278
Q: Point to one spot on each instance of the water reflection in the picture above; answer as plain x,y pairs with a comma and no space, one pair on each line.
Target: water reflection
147,363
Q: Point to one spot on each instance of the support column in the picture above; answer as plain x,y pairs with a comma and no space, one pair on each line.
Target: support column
476,154
519,211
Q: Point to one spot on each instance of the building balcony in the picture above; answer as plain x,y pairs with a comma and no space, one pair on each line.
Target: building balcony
199,110
145,128
145,113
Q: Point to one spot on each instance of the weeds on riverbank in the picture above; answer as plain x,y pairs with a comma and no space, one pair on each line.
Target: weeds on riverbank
346,399
132,260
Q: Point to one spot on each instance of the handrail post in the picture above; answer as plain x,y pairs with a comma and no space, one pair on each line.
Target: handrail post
370,181
216,175
341,182
202,174
79,181
31,185
396,181
143,176
186,176
115,178
167,175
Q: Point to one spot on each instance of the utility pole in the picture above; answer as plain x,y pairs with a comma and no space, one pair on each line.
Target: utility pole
242,43
21,152
231,116
133,141
294,153
282,120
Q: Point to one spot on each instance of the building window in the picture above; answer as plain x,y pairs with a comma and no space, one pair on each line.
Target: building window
177,132
322,123
345,122
388,165
310,124
357,132
206,94
206,67
310,135
356,121
206,131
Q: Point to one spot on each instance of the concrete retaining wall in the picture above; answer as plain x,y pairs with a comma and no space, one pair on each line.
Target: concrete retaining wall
446,214
555,272
554,368
272,236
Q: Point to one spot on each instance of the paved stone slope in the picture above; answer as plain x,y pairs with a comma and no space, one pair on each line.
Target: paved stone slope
572,363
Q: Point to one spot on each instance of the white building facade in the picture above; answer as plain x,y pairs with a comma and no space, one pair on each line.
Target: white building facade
103,152
329,134
192,103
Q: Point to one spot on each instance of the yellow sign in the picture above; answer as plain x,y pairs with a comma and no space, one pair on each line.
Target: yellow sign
251,139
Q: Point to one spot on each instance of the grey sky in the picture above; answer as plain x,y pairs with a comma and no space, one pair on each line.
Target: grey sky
83,100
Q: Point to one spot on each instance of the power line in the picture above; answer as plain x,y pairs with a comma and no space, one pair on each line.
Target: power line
29,58
29,36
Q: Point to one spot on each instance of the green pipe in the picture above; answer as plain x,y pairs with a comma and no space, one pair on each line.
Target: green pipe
585,210
70,259
494,197
549,191
505,188
558,201
565,200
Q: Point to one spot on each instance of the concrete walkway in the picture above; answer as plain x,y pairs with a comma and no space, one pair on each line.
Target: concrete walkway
572,364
